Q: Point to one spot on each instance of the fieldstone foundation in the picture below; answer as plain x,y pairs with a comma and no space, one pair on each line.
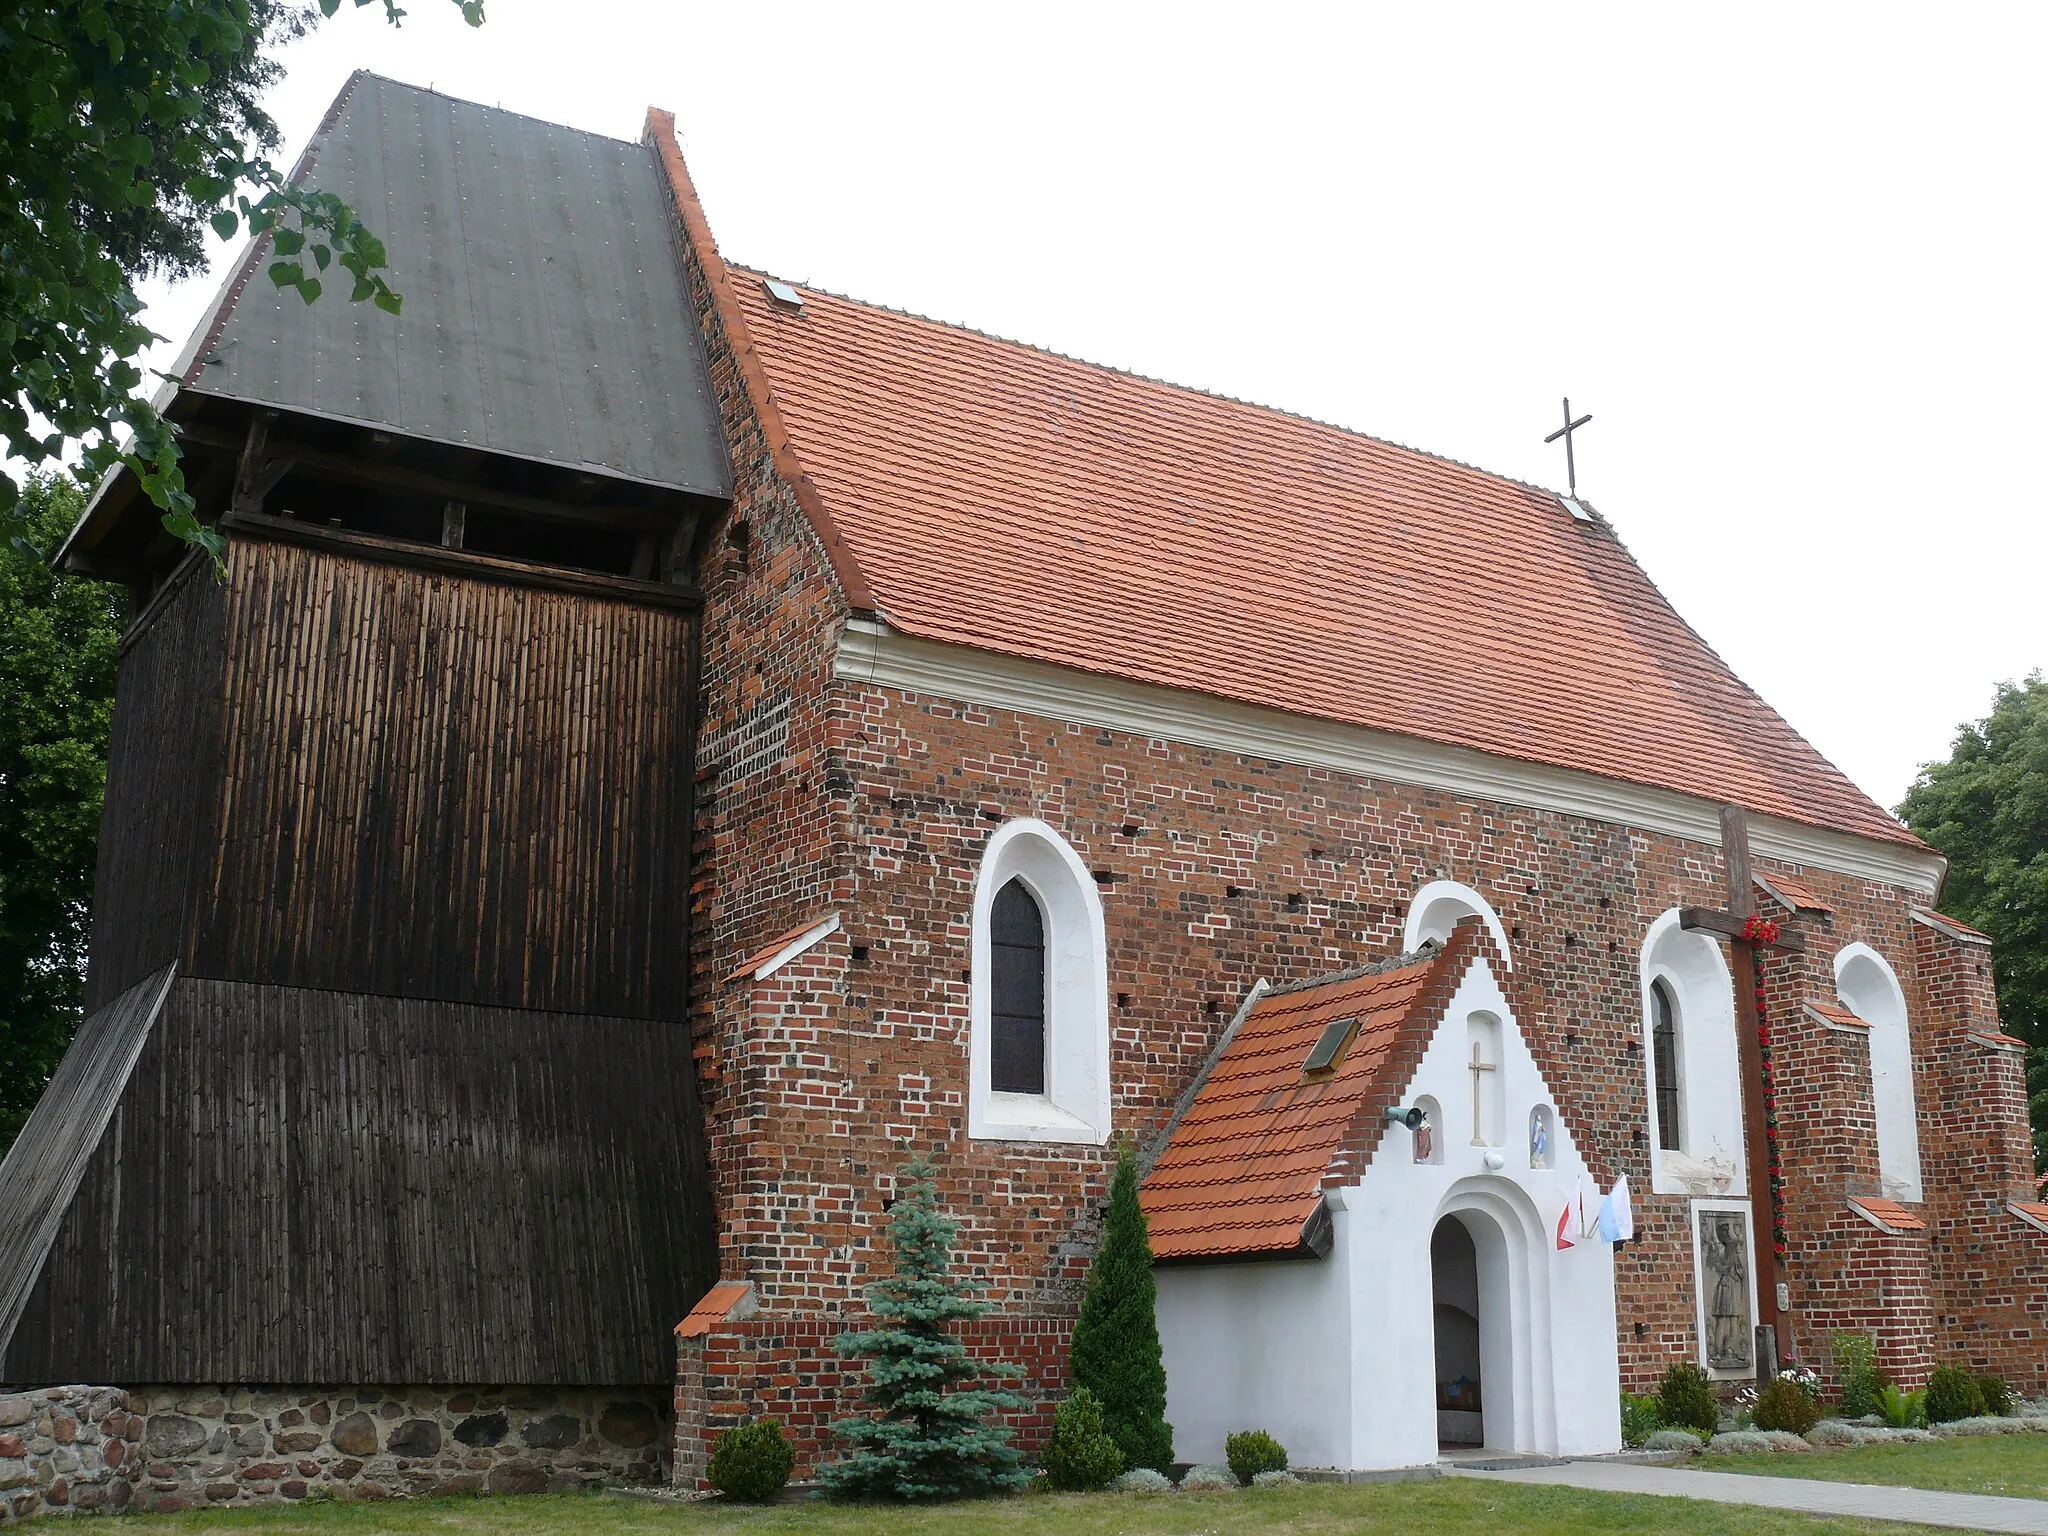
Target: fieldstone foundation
170,1448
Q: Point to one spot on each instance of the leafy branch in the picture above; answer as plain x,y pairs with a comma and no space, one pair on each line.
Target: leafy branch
127,126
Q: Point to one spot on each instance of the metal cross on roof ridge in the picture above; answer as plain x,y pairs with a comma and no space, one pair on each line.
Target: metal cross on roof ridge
1571,469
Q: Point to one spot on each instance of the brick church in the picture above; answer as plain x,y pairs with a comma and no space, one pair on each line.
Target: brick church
667,742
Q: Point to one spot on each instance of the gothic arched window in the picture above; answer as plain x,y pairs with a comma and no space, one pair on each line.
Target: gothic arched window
1664,1063
1038,993
1017,992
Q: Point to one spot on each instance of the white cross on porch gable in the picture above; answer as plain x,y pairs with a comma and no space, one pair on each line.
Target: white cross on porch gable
1478,1121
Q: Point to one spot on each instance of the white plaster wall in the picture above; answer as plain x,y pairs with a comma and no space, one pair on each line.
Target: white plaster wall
1550,1367
1337,1357
1259,1346
1710,1156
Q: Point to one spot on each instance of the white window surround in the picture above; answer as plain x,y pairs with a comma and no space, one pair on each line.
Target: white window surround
1868,988
1075,1106
1695,975
1441,905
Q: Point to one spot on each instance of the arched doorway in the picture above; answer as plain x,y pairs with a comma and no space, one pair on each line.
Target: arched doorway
1460,1368
1486,1254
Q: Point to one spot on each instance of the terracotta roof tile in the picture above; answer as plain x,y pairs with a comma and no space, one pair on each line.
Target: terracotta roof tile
1834,1013
715,1307
776,946
1941,922
2033,1212
1795,894
1242,1173
1889,1215
1015,501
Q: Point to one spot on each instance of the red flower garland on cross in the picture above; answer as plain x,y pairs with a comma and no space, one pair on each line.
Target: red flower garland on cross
1759,931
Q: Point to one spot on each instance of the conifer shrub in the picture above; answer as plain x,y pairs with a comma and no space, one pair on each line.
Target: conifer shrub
751,1462
1953,1393
1997,1395
1116,1338
927,1435
1252,1451
1686,1399
1080,1456
1785,1405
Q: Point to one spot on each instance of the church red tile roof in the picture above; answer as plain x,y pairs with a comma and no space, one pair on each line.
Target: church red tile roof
987,494
1242,1172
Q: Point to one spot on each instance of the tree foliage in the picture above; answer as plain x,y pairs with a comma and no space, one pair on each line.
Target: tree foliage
59,636
1116,1338
1986,808
126,128
930,1437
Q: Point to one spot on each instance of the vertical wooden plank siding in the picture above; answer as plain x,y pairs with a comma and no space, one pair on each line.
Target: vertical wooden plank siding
341,774
317,1187
157,828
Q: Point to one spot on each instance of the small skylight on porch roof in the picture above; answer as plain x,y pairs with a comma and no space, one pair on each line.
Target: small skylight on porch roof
1335,1036
782,293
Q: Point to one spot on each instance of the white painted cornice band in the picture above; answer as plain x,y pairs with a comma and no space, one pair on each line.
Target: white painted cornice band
874,654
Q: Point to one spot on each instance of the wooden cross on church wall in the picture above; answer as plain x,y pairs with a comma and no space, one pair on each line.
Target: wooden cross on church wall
1733,925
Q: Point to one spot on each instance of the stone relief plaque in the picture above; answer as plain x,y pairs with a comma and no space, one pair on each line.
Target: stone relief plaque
1724,1283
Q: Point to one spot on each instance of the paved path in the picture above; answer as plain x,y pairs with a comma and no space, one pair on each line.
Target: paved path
1917,1506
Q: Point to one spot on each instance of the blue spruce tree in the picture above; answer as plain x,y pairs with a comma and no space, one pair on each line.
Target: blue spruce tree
929,1438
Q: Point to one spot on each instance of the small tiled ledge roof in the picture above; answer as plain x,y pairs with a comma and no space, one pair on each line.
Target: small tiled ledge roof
1837,1017
2032,1212
1888,1216
1794,894
723,1303
1962,933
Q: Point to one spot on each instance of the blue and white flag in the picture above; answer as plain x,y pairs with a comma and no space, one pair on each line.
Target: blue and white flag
1617,1218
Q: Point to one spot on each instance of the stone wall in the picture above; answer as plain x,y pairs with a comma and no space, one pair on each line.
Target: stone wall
163,1448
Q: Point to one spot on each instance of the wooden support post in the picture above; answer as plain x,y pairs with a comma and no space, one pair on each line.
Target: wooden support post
453,518
1756,1139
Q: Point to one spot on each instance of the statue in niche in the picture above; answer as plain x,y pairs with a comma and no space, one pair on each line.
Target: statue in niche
1539,1137
1724,1260
1425,1140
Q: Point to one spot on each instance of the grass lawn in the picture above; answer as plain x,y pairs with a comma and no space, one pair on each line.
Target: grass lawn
1441,1508
2016,1465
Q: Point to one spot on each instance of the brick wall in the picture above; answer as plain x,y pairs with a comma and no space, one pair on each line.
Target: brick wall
1214,870
787,1367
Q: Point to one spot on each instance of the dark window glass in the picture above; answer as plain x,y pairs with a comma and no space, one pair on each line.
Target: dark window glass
1664,1055
1017,1017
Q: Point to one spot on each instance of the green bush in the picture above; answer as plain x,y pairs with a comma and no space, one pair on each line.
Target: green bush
1953,1393
1784,1405
1857,1369
751,1461
1252,1451
1686,1399
1641,1417
1997,1395
1081,1456
1902,1410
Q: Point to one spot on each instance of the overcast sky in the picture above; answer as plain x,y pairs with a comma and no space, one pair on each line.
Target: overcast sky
1790,258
